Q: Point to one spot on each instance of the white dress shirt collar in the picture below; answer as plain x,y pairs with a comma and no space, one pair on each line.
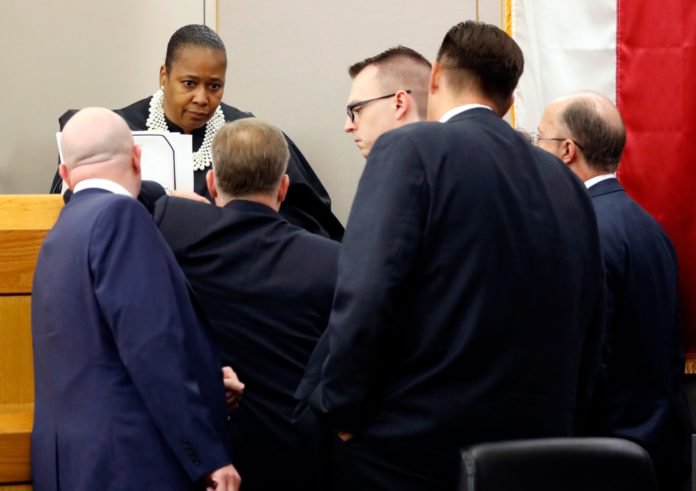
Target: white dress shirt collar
596,179
104,184
460,109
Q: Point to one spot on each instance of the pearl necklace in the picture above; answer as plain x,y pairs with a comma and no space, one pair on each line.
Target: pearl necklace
156,122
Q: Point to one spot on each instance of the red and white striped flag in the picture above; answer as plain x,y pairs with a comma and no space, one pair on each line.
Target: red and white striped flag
642,55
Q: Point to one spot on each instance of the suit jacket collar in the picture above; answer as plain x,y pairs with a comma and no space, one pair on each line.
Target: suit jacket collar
607,186
474,113
251,206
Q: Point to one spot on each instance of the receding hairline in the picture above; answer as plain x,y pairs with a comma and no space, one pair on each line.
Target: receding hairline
601,105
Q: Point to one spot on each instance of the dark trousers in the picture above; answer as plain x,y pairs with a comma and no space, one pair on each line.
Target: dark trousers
366,464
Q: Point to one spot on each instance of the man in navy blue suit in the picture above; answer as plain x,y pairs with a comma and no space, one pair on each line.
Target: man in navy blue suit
469,300
128,387
640,392
266,286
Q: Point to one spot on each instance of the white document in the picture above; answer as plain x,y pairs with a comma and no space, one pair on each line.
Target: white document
166,158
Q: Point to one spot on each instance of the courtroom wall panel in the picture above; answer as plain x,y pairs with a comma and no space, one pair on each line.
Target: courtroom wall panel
288,64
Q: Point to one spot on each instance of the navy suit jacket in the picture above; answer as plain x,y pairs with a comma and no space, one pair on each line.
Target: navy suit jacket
640,394
266,286
469,300
128,387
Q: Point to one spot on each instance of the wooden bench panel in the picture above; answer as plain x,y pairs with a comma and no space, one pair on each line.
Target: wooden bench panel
29,211
24,222
19,250
15,443
16,355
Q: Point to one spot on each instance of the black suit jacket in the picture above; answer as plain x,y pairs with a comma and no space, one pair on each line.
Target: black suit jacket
307,203
640,395
266,287
469,301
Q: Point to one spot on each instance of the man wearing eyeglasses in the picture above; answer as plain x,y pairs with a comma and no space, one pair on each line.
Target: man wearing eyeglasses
389,90
469,299
640,394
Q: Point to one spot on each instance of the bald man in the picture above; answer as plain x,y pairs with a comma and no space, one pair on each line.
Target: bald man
128,387
639,394
389,90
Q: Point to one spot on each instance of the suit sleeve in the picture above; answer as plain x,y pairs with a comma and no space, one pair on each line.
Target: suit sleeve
144,300
380,247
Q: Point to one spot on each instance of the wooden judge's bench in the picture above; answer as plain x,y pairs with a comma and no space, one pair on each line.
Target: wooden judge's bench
24,222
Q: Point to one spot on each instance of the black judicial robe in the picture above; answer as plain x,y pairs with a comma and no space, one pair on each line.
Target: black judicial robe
307,204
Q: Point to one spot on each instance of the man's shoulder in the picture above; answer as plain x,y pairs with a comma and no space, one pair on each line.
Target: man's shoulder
617,211
231,113
182,211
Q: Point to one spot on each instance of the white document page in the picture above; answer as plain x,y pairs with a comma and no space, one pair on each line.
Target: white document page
167,158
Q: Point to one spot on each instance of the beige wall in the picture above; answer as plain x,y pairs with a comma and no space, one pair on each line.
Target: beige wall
288,65
72,54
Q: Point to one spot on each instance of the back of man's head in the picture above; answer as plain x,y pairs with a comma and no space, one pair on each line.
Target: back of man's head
595,123
97,143
400,67
250,157
482,57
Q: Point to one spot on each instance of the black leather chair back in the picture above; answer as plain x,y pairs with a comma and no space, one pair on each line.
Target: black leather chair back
557,464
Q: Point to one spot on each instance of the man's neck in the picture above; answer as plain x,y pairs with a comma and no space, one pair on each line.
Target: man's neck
259,198
449,101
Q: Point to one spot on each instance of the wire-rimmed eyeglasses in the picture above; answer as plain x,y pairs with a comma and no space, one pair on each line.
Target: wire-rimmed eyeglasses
350,108
535,138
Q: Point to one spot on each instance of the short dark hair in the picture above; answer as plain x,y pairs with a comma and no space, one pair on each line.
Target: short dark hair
400,68
599,131
389,55
192,35
484,54
249,157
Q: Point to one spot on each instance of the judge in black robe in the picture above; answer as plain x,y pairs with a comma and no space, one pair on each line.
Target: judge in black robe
307,204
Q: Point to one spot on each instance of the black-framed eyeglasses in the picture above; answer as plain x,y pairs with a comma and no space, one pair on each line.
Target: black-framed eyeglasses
350,108
535,138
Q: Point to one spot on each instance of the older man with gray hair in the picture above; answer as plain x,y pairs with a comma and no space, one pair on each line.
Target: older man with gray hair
266,287
640,395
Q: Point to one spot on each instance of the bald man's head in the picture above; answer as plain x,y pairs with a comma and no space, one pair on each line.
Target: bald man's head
593,123
97,143
94,136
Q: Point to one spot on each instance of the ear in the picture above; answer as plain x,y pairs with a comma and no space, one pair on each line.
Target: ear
435,77
64,173
162,75
403,103
283,188
210,182
569,153
135,159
